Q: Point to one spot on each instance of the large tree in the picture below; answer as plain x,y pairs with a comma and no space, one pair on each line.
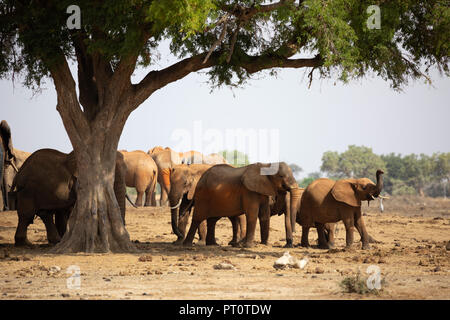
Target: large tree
232,39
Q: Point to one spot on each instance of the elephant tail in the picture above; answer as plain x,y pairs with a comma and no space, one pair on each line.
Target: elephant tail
129,200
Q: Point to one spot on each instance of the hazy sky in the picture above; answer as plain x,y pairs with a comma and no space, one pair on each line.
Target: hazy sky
327,116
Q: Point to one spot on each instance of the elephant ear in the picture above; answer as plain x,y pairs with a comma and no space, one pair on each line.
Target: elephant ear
5,132
191,191
344,191
254,181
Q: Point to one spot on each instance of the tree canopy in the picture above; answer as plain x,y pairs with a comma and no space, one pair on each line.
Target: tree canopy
242,37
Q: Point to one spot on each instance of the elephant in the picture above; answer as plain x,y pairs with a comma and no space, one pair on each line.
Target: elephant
7,157
141,174
191,157
183,180
46,185
165,159
226,191
327,201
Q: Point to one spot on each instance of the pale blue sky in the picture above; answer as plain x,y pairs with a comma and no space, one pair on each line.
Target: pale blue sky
311,121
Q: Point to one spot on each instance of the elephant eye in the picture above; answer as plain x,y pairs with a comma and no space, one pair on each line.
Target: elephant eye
364,187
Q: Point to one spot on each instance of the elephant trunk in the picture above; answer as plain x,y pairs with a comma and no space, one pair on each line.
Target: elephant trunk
175,203
296,195
379,175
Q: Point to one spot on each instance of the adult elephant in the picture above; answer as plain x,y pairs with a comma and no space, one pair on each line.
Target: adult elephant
165,160
7,157
327,201
183,181
46,186
142,174
225,191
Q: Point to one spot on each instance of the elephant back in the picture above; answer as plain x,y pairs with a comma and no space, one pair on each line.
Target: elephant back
45,173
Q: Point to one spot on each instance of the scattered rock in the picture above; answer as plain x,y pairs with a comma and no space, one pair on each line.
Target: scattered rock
437,269
224,266
319,270
381,260
286,260
369,260
247,255
145,258
54,270
65,295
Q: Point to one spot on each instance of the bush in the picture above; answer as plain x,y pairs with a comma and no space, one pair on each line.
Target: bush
356,285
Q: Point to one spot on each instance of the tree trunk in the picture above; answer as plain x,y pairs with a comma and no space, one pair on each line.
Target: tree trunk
95,224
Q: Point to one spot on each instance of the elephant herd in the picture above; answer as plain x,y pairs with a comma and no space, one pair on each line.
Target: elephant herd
44,184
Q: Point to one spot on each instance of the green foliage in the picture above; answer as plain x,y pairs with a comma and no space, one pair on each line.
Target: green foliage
235,158
310,178
355,162
404,175
414,33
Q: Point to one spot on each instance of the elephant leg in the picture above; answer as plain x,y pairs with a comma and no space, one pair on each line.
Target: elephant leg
359,224
264,223
211,231
148,198
61,217
235,225
20,238
202,232
52,233
195,223
288,228
305,235
153,196
330,234
323,243
139,198
349,223
252,217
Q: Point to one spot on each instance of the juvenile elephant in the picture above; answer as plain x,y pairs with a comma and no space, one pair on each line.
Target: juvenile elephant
142,174
225,191
6,156
327,201
183,180
46,185
165,160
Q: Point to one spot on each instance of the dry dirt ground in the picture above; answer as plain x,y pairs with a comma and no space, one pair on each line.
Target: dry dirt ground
412,258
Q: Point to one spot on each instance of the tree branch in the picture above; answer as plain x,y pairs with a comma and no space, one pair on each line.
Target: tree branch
73,118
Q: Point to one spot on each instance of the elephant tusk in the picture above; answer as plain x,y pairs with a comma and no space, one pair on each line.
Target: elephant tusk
383,197
14,166
179,203
372,197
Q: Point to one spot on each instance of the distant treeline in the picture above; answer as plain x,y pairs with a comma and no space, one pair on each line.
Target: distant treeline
404,175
